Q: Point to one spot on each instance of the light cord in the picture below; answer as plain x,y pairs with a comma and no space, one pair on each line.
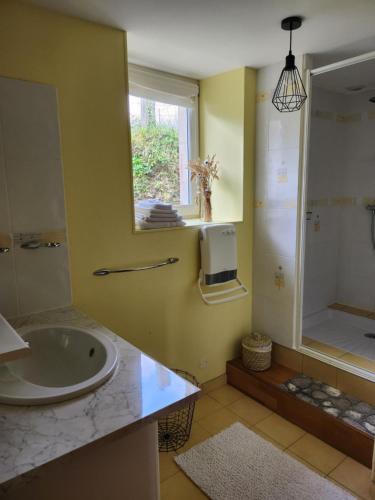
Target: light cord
290,41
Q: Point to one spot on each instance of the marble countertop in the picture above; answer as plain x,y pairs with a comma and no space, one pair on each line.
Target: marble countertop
140,389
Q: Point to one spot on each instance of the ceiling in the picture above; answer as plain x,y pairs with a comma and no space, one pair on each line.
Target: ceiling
198,38
355,79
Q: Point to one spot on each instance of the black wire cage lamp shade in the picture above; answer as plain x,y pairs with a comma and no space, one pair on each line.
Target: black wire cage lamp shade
290,93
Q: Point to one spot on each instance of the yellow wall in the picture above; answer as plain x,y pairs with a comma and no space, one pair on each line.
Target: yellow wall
159,311
222,132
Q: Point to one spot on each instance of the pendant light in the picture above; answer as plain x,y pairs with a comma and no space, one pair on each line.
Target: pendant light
290,93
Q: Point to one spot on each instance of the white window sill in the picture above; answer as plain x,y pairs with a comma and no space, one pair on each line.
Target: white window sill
189,224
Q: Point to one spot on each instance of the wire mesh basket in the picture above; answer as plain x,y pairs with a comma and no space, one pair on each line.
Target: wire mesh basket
174,429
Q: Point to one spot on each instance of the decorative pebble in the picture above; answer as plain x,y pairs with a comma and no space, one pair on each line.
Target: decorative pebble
364,408
302,396
342,404
331,391
353,423
302,382
316,387
371,419
291,387
332,411
352,399
326,403
307,391
319,395
354,415
370,428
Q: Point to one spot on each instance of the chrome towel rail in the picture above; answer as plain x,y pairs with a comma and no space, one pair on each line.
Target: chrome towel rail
104,271
35,244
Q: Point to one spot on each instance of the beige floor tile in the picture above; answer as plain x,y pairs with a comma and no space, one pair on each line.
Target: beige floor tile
220,420
205,406
280,430
267,438
367,364
327,349
317,453
307,464
179,487
248,409
167,465
226,394
354,476
339,485
214,383
198,434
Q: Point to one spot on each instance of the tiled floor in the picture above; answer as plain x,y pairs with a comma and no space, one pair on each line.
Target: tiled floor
220,407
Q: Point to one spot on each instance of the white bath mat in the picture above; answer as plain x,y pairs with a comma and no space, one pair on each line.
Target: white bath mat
237,464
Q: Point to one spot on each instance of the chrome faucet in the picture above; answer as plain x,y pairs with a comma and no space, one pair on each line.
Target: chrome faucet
34,244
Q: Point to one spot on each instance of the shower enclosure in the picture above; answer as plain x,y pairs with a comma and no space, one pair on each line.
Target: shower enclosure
337,313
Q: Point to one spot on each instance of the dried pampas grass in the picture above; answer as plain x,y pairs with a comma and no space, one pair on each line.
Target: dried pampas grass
204,172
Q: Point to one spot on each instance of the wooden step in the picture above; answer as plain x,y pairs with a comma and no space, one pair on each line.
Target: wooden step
265,388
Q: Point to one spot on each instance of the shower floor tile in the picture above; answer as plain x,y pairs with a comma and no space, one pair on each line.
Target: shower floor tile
346,335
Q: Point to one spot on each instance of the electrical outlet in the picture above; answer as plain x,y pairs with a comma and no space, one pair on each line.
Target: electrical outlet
203,363
279,278
282,175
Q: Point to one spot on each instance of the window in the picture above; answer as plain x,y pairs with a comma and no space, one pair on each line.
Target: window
164,134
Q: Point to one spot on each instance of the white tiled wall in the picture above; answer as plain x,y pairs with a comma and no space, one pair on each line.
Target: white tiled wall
276,191
31,199
340,260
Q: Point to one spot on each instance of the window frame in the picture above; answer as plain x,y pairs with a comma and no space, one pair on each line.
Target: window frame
171,89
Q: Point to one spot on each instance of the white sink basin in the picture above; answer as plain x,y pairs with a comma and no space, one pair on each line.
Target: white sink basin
64,362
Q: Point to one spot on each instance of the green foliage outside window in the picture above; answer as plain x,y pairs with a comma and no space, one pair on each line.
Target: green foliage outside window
155,162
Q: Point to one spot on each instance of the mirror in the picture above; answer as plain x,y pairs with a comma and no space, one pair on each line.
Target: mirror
338,313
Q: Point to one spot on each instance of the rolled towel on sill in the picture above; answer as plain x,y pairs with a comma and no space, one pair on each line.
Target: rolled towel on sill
160,225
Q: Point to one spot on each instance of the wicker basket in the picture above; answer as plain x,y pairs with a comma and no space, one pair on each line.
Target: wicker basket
174,429
256,352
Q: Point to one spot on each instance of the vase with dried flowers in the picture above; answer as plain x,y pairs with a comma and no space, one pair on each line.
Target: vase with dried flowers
204,172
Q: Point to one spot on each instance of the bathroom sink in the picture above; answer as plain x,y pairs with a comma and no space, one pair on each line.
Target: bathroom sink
64,362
